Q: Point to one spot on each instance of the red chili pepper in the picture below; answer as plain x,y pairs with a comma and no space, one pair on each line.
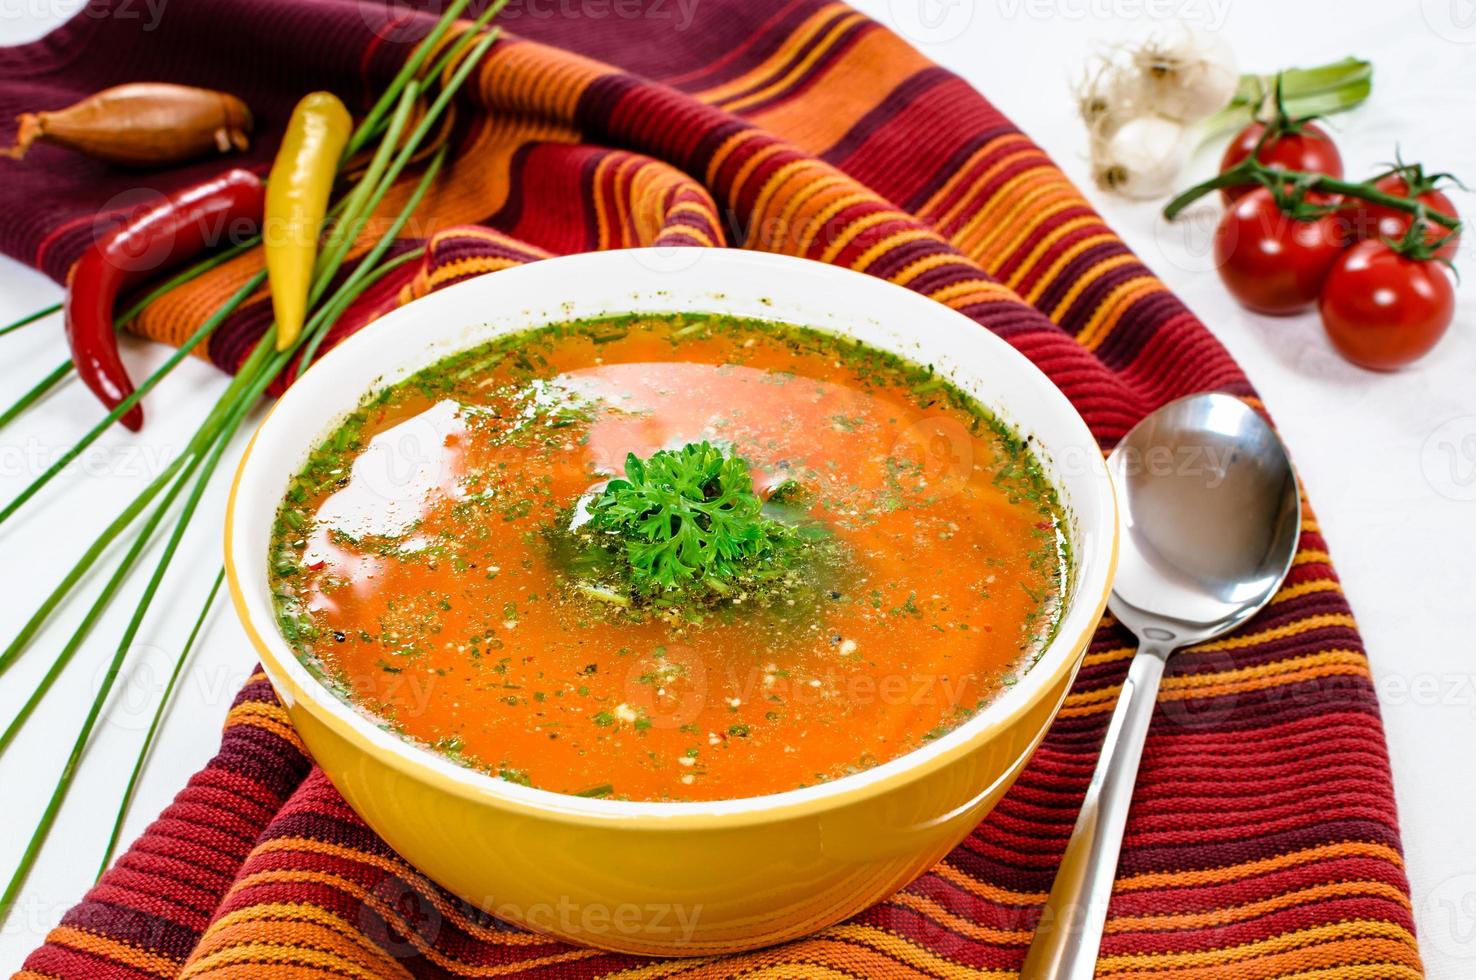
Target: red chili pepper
177,229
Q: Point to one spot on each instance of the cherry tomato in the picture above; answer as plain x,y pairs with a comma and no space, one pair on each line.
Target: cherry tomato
1269,262
1310,150
1376,221
1383,310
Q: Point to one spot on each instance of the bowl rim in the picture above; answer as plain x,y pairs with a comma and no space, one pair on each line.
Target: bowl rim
1062,655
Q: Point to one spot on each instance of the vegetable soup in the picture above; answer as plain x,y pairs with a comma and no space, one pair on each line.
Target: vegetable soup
675,557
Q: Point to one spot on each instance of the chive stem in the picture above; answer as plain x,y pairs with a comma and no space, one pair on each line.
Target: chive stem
22,640
36,393
433,114
478,25
310,349
360,278
94,612
366,129
148,743
346,229
391,173
32,318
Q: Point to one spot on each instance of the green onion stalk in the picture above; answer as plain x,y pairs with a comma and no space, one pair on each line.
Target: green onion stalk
185,480
1305,92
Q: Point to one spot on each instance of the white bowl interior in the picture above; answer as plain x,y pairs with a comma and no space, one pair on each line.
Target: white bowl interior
749,284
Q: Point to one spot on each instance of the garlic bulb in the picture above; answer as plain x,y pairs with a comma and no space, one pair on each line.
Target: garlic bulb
1109,95
1142,158
1189,78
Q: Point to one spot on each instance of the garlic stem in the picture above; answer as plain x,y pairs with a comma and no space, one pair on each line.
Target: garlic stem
1321,91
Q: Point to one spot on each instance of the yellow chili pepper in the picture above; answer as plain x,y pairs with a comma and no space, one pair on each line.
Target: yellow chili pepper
296,200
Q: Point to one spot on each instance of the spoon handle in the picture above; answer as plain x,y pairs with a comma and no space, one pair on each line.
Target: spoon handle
1070,927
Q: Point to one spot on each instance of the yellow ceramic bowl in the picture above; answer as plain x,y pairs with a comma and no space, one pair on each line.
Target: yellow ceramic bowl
675,878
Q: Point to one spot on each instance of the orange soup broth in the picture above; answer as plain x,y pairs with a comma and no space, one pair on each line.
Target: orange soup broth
418,576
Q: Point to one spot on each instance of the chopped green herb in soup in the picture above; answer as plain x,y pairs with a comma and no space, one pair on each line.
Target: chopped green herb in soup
670,557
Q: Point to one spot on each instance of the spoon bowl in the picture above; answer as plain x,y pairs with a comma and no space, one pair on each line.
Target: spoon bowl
1209,517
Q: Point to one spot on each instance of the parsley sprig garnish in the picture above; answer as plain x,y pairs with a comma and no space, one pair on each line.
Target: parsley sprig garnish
689,518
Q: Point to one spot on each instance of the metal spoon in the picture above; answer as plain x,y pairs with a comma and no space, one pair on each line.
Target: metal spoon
1209,518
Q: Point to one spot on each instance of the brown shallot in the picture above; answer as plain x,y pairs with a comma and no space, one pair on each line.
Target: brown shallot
142,124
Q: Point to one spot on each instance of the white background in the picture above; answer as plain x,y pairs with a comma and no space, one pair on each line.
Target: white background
1390,460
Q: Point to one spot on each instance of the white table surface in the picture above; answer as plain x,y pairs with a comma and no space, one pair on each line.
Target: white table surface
1390,460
